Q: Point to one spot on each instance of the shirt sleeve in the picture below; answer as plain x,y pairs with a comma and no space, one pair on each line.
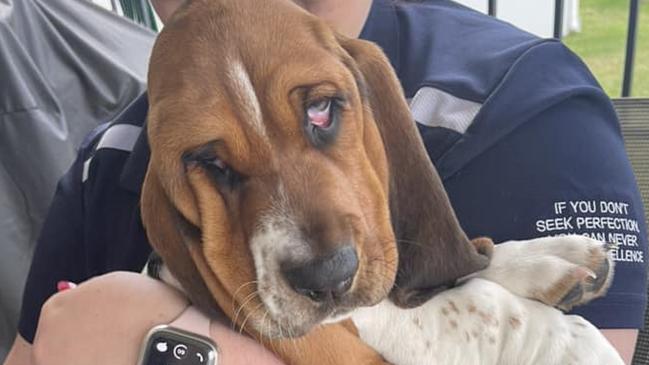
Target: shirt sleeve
545,157
59,253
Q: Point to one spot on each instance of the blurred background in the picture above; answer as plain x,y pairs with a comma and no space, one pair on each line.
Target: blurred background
601,42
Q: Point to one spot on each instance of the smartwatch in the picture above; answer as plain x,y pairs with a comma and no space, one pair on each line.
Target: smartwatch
185,341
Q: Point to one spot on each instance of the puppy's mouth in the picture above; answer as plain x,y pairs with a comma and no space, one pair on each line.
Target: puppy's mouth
288,300
291,317
310,290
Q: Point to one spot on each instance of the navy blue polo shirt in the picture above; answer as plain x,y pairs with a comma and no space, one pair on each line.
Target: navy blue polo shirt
525,140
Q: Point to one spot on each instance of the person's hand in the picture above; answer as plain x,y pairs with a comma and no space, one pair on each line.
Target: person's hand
104,321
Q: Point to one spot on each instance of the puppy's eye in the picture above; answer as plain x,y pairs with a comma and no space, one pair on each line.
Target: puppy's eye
223,175
215,165
221,172
321,120
319,113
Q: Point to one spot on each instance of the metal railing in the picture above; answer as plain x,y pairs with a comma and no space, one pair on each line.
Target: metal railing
558,19
630,48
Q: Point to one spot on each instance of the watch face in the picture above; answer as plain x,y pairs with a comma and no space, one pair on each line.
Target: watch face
169,346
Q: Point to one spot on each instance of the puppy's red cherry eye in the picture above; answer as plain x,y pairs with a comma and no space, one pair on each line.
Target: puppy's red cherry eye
319,113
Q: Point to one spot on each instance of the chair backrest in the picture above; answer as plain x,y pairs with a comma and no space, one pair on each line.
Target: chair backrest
634,119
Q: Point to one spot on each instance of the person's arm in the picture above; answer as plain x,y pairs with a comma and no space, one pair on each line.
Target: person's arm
20,353
60,252
104,321
544,157
624,341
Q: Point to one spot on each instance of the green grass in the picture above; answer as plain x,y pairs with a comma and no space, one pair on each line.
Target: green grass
602,41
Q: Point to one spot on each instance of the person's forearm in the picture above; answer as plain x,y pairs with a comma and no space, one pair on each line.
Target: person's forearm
624,341
104,321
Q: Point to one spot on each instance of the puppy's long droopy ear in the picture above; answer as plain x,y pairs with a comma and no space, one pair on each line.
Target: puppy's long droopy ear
162,223
433,250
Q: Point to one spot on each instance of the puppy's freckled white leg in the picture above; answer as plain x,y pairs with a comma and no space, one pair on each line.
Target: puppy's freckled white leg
482,323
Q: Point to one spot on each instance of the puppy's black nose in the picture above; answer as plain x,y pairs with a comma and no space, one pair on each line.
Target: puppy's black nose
324,278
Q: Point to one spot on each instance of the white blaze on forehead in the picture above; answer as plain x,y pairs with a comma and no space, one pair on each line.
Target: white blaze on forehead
245,93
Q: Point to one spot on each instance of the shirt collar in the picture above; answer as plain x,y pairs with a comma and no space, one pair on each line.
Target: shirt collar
382,28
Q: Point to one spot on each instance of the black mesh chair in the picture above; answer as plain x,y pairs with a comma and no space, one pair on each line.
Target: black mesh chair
634,119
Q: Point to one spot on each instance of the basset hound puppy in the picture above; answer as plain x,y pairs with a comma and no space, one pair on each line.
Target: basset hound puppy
287,184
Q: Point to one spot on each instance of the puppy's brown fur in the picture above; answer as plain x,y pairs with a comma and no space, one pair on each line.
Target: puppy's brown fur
372,183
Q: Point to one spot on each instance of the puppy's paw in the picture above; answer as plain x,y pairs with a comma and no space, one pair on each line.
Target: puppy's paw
559,271
583,273
484,246
593,273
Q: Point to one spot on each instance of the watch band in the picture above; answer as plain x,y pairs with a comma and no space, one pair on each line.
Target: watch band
192,320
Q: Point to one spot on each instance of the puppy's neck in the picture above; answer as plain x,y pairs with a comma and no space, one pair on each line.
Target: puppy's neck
156,269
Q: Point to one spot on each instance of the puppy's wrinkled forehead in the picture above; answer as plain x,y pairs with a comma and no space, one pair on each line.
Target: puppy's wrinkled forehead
217,56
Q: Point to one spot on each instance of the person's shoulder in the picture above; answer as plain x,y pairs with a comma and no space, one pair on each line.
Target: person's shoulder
461,51
465,71
112,164
108,151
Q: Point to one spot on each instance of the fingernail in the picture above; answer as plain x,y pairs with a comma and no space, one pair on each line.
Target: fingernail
65,285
